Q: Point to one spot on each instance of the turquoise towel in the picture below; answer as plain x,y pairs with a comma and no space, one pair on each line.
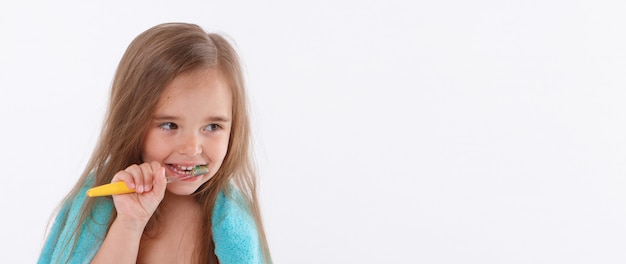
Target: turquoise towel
234,232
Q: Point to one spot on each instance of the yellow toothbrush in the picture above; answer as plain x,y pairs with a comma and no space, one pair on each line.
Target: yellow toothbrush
121,188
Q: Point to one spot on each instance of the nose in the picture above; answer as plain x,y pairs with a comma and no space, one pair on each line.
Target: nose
190,144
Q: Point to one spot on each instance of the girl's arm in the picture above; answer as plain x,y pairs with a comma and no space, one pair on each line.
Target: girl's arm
121,244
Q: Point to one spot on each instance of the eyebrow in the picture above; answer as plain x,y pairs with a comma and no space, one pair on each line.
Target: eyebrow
218,118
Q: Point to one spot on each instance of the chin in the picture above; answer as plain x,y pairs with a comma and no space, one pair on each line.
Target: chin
182,190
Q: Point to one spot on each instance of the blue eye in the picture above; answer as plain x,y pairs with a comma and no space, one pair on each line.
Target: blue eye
212,127
168,126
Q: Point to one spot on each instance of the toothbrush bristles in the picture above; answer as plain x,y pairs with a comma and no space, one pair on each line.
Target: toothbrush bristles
199,170
196,171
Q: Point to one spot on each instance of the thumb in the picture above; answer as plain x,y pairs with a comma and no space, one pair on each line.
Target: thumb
160,182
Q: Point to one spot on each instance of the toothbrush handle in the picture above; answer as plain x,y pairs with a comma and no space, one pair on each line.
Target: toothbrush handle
109,189
121,188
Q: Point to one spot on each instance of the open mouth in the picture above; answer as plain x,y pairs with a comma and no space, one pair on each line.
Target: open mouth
182,170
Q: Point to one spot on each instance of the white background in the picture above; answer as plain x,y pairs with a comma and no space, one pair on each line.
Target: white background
386,131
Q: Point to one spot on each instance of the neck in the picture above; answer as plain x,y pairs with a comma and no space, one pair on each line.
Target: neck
174,199
173,205
175,210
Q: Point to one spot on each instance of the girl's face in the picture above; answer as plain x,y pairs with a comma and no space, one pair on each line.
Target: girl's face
190,126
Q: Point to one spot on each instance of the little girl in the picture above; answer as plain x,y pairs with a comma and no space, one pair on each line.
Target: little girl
177,101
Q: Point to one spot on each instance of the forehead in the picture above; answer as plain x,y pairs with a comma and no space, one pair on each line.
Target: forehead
204,90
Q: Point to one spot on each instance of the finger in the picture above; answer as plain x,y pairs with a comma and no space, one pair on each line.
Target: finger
135,171
126,177
160,182
156,168
148,175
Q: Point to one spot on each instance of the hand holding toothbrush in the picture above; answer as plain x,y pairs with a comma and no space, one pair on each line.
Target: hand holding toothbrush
149,181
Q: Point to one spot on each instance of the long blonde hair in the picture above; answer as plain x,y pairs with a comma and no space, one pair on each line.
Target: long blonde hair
152,60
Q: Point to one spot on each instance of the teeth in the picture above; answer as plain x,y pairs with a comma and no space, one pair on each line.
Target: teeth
181,169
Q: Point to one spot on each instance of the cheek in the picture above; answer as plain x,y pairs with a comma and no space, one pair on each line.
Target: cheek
153,148
218,149
223,148
147,153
